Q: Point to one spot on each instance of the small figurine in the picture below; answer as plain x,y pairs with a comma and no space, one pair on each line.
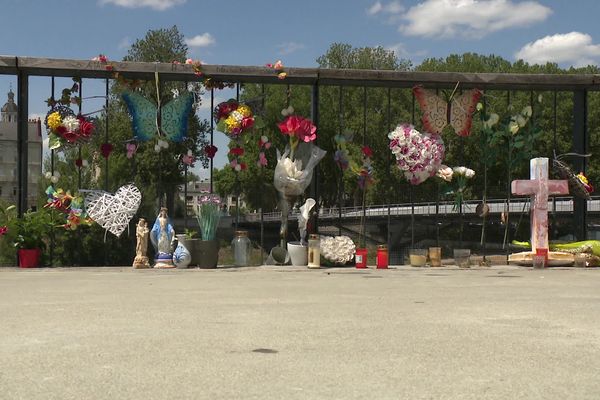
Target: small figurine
141,248
162,236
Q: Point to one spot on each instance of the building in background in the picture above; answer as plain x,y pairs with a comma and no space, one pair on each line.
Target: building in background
198,188
8,154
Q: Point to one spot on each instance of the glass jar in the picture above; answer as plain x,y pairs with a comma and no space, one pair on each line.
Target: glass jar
382,256
241,247
314,251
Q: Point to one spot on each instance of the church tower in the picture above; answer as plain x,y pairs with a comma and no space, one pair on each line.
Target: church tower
9,109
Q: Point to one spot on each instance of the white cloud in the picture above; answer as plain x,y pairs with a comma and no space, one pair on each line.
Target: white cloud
466,18
124,44
375,8
573,48
159,5
289,48
394,7
204,40
399,49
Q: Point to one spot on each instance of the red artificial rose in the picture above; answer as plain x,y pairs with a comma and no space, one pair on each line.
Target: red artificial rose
85,127
210,150
106,149
69,136
61,129
237,151
79,162
367,151
3,230
247,122
243,166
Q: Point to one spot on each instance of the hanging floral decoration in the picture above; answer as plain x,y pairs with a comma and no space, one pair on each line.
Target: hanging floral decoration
341,155
278,67
263,145
585,182
106,149
80,163
365,172
68,205
210,151
234,119
418,155
131,149
63,125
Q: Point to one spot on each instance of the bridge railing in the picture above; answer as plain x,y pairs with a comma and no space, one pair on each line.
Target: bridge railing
496,206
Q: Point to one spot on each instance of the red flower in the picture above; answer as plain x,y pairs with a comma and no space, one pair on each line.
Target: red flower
247,122
243,166
3,230
69,136
225,108
210,150
237,151
79,162
109,67
301,127
61,129
106,149
367,151
86,128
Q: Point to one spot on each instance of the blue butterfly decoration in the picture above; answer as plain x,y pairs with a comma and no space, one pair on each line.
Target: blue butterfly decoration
169,120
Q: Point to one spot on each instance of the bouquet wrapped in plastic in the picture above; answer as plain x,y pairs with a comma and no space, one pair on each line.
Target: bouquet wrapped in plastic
294,169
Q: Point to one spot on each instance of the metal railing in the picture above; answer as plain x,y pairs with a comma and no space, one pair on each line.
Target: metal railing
496,206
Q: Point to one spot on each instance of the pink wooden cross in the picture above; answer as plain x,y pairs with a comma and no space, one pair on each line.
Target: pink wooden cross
539,187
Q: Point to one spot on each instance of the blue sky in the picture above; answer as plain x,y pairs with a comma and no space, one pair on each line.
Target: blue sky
297,32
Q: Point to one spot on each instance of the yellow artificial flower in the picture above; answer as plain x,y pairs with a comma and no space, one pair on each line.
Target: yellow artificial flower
582,178
231,122
54,120
244,110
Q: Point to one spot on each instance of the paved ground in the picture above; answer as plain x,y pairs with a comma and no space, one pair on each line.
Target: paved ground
284,333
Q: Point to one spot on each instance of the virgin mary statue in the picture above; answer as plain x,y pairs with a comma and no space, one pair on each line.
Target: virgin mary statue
162,235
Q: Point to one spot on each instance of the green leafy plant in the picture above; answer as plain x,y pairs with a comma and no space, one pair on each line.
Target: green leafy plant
190,233
32,229
208,214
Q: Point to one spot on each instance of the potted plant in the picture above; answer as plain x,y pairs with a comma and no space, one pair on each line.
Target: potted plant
208,214
31,230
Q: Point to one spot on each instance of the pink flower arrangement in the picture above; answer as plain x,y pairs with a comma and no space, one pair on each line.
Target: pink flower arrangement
300,127
418,155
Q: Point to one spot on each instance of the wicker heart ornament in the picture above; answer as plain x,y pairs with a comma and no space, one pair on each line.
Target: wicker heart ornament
113,212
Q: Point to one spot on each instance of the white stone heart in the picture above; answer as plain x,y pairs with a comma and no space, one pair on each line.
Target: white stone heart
113,212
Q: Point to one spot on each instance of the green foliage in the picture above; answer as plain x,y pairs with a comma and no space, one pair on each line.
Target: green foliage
32,229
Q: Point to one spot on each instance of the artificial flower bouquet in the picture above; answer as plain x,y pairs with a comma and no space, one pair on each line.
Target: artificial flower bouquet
234,119
293,172
418,155
454,182
65,128
337,250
